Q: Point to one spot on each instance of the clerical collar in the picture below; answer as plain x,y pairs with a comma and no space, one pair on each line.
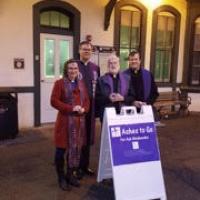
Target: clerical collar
135,71
114,75
85,63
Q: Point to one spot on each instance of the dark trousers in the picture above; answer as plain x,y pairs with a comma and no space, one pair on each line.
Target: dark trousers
85,152
64,172
60,162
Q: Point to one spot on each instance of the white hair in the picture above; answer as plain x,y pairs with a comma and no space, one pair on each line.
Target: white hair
112,57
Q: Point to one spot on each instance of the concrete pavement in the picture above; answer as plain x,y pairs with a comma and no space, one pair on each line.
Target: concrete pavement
27,170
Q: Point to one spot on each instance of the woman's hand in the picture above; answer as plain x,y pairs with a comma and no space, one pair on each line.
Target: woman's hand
78,109
81,111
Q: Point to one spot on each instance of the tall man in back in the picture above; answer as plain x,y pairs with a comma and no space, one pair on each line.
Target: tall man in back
90,73
142,81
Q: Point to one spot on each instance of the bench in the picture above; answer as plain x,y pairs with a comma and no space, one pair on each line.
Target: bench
172,102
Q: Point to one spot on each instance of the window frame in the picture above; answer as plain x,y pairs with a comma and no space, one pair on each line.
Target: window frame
175,50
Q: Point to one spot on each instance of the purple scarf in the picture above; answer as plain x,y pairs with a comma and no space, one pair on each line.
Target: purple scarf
122,86
76,124
146,76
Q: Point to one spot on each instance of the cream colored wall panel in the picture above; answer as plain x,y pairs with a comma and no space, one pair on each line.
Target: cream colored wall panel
25,110
16,42
148,41
92,21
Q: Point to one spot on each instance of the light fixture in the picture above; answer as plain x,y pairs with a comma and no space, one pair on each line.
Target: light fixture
152,4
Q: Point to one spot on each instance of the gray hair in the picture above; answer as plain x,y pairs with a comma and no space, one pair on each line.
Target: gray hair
113,57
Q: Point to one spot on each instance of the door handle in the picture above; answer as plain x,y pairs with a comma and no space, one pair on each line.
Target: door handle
42,80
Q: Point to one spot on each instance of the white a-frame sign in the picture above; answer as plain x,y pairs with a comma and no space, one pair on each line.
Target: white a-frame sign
130,154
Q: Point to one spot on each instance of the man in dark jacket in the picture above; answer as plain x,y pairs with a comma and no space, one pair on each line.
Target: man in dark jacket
89,72
113,88
142,81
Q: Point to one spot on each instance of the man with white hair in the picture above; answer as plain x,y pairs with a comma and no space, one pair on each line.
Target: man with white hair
113,88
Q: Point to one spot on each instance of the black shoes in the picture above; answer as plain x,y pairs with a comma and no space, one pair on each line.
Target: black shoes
73,181
80,173
63,184
89,172
71,178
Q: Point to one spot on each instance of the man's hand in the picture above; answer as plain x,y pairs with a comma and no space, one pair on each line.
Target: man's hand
114,97
139,104
119,97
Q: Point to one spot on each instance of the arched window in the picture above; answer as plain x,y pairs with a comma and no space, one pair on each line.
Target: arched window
164,46
164,56
195,60
129,33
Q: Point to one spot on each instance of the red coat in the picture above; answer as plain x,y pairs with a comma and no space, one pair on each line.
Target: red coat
58,98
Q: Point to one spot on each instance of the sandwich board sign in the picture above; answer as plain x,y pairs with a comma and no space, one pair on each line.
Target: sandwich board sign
130,154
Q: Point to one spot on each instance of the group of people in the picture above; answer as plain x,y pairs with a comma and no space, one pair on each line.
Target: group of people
81,95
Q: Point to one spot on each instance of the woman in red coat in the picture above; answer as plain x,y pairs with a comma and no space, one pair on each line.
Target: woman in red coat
70,98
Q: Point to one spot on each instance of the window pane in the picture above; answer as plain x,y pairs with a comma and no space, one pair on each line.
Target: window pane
129,32
169,37
64,21
160,39
162,68
197,35
195,78
45,18
64,53
196,59
164,46
161,23
125,29
49,57
54,18
157,66
166,66
135,38
136,17
124,58
135,31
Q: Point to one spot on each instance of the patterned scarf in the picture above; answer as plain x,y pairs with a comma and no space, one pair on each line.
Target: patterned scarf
76,123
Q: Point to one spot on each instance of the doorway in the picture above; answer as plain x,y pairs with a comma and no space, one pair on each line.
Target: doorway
54,51
55,23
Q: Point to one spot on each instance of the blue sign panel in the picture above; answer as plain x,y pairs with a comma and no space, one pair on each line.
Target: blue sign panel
133,143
